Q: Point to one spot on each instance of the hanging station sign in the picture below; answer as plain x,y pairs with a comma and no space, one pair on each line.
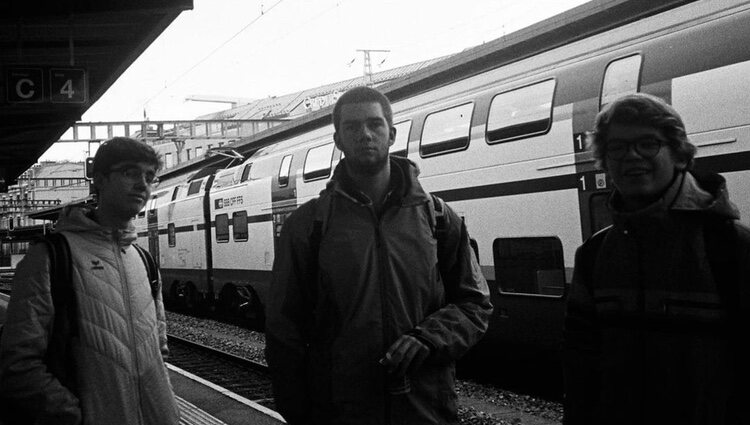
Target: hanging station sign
29,84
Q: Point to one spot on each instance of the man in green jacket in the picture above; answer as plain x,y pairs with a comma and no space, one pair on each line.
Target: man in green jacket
364,325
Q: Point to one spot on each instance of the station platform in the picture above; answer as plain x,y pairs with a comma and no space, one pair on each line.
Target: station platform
204,403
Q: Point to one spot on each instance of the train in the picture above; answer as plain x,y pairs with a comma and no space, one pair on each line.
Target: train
502,143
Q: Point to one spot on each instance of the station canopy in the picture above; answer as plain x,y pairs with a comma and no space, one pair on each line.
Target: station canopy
58,58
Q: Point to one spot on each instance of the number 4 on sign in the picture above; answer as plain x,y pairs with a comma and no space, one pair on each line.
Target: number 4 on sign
67,85
67,89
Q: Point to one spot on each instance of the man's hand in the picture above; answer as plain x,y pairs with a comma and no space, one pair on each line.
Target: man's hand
405,355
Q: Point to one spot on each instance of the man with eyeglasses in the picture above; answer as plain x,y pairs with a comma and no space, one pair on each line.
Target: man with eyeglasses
658,308
119,374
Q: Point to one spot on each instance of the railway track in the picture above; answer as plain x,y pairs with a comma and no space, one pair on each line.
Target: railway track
242,376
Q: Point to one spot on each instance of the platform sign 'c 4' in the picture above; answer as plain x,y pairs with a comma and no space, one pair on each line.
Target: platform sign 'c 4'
27,84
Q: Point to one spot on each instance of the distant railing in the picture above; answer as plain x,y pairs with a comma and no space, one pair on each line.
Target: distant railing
157,130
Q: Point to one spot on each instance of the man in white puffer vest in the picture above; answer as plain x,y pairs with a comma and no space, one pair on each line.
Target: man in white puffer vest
117,352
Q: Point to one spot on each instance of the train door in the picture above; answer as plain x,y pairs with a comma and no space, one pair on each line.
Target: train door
283,198
621,77
152,229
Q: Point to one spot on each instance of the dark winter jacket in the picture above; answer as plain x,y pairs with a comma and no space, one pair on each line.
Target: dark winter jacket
376,279
652,332
119,370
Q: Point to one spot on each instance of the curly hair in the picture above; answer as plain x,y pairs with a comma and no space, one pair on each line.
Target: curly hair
646,110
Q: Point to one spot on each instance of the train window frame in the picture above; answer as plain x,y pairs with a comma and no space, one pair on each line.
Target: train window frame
246,172
171,235
241,235
195,187
284,169
319,172
454,144
604,100
545,282
524,129
221,223
402,138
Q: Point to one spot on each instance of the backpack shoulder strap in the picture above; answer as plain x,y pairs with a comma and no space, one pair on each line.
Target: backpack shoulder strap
592,247
438,223
321,215
722,253
61,274
59,357
151,269
320,221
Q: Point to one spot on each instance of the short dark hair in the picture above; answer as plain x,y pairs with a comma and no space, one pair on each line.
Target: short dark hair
647,110
362,94
121,149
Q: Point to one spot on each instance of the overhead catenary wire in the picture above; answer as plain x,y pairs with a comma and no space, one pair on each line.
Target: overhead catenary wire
263,13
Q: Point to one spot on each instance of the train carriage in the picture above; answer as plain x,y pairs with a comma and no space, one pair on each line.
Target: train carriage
506,149
173,226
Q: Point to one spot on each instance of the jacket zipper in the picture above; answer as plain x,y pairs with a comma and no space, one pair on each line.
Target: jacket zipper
383,304
128,306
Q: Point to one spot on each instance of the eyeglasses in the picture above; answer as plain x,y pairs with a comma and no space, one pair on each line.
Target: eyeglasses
647,147
134,173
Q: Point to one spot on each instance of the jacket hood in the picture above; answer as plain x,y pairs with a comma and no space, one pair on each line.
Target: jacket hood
690,192
80,220
410,189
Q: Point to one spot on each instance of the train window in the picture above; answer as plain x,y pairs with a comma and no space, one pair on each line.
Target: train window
446,131
399,147
529,265
195,187
246,172
600,214
171,236
522,112
318,162
222,228
620,78
176,192
284,168
239,225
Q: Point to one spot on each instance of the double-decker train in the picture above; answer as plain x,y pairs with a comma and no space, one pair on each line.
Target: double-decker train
502,143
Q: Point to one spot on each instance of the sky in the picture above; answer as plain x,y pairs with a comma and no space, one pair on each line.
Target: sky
252,49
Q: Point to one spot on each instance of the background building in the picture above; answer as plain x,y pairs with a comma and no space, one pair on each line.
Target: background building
44,185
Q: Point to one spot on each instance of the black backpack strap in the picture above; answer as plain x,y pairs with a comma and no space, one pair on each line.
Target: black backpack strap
436,214
722,250
59,358
321,214
151,269
592,247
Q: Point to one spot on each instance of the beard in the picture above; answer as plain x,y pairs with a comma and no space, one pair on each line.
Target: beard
367,166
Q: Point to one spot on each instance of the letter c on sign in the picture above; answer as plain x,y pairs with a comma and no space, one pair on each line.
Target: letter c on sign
20,89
